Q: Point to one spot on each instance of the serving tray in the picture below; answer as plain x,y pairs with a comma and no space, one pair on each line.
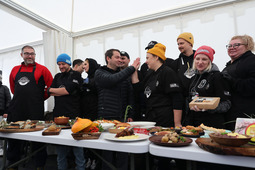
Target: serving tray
47,132
37,128
209,145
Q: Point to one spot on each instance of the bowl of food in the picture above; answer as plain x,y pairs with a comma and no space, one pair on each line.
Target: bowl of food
61,120
230,139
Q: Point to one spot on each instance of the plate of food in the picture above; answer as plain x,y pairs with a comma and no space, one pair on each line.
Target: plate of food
191,131
126,136
142,123
119,127
170,140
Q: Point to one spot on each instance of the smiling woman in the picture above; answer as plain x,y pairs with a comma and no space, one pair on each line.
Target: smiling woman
239,72
207,82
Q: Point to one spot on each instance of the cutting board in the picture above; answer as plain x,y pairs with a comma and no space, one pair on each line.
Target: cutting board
37,128
55,132
209,145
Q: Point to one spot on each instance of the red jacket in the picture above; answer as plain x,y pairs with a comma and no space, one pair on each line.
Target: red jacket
40,71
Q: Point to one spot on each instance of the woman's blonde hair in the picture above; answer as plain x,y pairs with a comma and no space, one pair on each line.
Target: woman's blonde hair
247,40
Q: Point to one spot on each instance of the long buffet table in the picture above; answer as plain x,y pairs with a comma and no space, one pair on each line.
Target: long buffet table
191,152
194,153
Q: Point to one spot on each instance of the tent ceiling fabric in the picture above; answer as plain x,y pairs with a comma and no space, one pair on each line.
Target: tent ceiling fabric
75,16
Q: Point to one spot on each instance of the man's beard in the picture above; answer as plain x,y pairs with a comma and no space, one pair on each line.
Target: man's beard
29,61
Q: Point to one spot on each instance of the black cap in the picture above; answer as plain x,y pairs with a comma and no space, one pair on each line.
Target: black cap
124,53
151,45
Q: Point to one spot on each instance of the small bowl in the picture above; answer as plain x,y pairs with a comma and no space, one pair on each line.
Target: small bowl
229,141
61,120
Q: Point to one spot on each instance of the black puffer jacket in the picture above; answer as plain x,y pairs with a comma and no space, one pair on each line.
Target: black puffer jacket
5,98
114,92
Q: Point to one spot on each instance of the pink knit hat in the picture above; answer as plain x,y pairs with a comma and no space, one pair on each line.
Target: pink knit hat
206,50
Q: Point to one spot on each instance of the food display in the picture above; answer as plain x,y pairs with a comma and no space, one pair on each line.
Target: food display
212,129
119,127
156,129
230,139
191,131
61,120
125,132
52,130
107,121
19,126
86,129
172,137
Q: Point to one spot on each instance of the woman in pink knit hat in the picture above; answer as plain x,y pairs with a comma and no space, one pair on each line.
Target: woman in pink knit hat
208,82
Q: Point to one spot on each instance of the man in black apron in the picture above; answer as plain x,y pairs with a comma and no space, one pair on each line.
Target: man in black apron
28,83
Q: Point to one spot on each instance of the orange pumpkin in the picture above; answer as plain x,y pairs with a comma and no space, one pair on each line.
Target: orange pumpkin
80,124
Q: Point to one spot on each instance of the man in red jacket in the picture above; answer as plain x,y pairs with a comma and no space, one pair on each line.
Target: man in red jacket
29,83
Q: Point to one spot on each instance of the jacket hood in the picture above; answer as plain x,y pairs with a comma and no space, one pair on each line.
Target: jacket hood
213,69
93,66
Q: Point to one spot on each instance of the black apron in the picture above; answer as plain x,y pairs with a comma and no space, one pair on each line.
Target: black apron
161,114
28,101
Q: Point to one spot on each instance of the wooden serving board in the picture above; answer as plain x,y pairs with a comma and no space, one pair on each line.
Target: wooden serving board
47,132
209,145
37,128
86,135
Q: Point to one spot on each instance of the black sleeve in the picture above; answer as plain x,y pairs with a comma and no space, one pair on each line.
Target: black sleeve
246,86
178,100
104,79
54,82
74,83
131,100
7,97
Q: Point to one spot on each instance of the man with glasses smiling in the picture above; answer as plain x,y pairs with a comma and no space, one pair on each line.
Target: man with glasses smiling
240,72
28,83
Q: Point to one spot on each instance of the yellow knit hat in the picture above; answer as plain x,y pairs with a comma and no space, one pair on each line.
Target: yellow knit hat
158,50
188,37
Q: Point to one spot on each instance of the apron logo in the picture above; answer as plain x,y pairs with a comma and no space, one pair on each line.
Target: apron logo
147,92
61,86
157,83
23,81
202,84
75,81
174,85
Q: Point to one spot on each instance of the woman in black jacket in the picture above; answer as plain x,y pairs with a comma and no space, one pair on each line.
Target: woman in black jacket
208,82
89,94
240,72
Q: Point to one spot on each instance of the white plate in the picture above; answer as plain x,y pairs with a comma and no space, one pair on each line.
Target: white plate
112,138
106,126
142,123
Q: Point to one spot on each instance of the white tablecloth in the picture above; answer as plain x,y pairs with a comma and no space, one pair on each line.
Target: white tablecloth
65,138
194,153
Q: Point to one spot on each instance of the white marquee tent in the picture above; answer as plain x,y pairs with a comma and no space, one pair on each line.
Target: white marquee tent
85,28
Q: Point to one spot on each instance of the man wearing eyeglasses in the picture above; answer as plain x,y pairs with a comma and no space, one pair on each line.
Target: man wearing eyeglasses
28,83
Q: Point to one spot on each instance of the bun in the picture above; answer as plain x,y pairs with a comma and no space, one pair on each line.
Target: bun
123,125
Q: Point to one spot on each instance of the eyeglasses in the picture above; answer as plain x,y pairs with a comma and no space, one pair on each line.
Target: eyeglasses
234,45
28,54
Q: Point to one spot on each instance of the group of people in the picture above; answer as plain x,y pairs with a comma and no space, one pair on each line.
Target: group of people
160,91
